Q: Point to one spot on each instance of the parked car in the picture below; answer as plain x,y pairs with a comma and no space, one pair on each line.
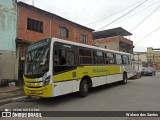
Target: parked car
136,75
148,71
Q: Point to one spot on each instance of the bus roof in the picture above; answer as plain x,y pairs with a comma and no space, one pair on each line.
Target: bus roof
88,46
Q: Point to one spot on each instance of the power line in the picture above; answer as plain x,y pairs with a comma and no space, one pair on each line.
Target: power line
148,35
123,15
113,14
145,18
137,12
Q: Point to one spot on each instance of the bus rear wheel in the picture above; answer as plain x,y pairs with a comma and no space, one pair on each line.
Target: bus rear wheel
83,90
124,81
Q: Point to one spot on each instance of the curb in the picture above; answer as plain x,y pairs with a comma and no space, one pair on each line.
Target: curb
12,90
16,99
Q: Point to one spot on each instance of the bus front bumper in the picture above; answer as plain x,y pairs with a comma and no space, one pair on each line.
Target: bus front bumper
40,92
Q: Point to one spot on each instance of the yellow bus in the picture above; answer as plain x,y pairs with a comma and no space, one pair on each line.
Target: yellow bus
55,67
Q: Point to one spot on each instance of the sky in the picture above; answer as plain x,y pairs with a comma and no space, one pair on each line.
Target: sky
142,15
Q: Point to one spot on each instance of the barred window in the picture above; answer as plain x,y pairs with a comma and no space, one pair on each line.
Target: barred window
84,38
34,25
63,32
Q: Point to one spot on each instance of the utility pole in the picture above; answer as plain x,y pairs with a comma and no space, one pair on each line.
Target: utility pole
153,61
33,2
138,61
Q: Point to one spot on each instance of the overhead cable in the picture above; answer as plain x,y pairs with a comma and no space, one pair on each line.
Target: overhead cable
145,18
137,12
123,15
148,35
112,14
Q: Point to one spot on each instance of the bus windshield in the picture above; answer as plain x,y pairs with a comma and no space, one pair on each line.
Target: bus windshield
37,59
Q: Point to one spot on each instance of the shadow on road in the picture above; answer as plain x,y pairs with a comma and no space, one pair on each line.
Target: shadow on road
72,96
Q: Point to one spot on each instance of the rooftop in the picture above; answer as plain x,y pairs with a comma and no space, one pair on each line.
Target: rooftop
119,31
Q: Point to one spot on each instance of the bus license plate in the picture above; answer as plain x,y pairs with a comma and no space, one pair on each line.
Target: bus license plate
33,91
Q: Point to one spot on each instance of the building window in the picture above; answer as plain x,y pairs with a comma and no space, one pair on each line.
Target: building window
63,32
84,38
34,25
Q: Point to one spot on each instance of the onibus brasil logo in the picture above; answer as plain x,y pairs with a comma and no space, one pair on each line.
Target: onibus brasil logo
9,113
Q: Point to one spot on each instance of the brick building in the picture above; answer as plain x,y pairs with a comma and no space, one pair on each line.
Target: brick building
113,39
35,24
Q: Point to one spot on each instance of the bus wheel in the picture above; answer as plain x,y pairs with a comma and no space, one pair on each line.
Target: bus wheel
124,81
83,90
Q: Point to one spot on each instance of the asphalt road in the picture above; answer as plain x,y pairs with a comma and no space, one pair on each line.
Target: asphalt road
138,95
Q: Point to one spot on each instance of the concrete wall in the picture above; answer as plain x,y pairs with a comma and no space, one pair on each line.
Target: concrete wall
8,23
8,65
141,56
111,45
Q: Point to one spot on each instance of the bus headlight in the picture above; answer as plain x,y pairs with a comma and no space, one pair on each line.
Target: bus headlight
46,81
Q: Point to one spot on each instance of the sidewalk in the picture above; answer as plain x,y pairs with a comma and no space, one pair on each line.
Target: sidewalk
10,94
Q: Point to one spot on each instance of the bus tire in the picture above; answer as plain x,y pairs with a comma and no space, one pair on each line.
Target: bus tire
124,81
83,90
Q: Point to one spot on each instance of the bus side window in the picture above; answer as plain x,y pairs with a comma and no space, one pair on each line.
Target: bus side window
109,58
64,60
70,58
118,59
59,57
98,57
62,57
126,59
85,56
